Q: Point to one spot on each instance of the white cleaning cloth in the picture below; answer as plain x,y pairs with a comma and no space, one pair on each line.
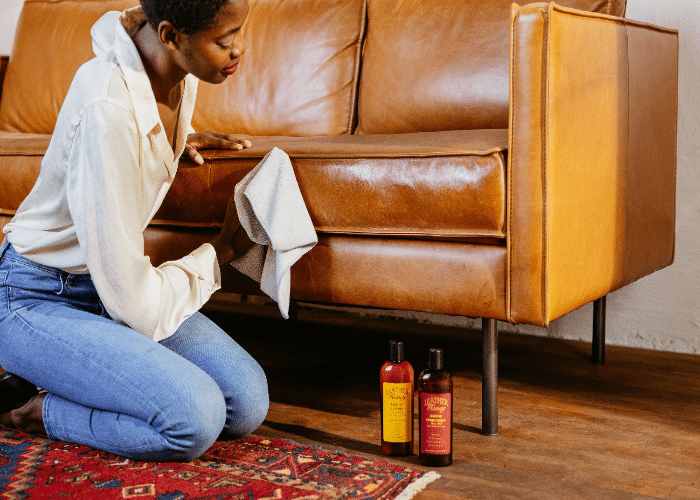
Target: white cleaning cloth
273,213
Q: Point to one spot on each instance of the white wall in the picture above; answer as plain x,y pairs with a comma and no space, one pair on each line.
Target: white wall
661,311
9,12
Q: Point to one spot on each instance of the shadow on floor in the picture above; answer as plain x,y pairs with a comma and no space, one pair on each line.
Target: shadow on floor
310,363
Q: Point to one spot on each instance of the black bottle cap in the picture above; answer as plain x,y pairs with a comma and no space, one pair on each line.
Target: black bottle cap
435,359
396,351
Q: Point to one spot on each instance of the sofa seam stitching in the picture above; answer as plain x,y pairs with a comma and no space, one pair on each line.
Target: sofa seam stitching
354,115
510,176
544,158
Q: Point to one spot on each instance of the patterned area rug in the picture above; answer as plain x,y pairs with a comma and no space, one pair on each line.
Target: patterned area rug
247,469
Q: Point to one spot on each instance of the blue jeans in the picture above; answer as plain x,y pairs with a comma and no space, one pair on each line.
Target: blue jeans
112,388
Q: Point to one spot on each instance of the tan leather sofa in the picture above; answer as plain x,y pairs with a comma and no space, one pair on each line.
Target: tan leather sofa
465,157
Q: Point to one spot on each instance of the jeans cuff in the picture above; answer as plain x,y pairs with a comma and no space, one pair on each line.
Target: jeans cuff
45,414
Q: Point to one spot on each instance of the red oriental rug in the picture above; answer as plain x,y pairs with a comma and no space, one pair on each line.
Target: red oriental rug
246,469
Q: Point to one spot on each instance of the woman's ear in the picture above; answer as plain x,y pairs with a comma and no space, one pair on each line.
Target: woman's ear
168,35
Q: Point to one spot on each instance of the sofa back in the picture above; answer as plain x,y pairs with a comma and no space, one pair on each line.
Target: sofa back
417,65
298,76
441,64
52,41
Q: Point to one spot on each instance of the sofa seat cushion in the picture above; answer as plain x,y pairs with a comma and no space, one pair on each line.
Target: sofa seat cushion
433,185
425,185
20,162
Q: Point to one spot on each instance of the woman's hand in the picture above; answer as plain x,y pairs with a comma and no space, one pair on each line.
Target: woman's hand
232,241
211,140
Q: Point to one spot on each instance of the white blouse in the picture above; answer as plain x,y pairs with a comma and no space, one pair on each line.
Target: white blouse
104,176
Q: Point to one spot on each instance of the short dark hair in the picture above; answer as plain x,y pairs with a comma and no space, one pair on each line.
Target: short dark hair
186,16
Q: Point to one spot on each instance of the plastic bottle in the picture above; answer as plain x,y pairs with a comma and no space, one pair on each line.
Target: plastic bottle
435,413
396,385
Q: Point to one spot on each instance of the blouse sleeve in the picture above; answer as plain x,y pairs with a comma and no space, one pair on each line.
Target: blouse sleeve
108,200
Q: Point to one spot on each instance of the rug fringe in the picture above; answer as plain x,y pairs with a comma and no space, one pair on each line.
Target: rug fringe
417,486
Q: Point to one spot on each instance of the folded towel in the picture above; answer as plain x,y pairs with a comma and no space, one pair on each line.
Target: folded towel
273,213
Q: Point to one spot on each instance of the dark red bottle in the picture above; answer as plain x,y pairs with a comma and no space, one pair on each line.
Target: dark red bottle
435,413
396,387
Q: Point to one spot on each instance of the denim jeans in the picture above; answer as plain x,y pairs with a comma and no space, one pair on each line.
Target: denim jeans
111,387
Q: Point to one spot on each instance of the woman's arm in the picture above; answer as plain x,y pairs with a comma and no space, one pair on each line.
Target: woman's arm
111,196
232,241
212,140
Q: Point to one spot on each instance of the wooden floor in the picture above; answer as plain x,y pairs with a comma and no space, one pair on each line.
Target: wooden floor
629,429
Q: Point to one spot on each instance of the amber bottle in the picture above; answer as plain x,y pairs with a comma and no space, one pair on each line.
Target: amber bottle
435,413
396,387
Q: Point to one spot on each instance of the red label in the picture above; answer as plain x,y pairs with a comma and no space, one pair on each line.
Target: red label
435,423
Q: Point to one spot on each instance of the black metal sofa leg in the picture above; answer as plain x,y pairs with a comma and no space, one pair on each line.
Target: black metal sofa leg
489,377
293,311
598,354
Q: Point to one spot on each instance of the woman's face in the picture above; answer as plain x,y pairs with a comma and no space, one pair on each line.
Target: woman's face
213,54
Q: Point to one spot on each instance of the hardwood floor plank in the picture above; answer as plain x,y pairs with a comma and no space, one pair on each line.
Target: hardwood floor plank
684,493
437,495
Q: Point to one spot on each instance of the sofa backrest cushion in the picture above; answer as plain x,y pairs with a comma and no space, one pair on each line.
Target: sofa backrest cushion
441,64
51,42
299,75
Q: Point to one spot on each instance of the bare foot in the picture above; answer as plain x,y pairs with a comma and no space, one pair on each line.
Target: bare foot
28,418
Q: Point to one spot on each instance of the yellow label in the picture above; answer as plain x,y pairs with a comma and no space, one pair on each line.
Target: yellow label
397,412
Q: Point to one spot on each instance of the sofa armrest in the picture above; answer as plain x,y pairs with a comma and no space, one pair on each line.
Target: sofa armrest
4,60
592,157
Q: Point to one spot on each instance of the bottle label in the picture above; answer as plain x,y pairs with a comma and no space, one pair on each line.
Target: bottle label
435,423
397,412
